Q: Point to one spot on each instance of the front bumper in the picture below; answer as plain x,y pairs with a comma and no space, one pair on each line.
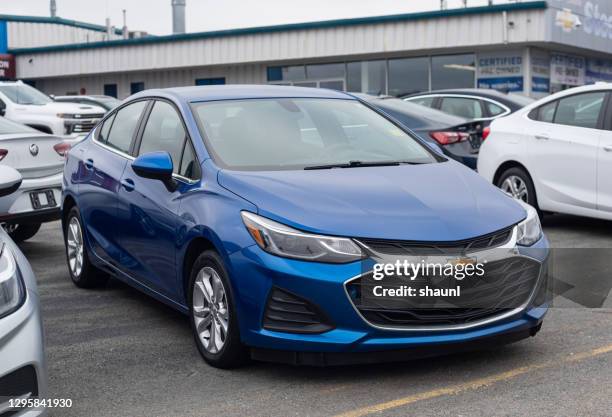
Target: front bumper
255,272
17,207
22,368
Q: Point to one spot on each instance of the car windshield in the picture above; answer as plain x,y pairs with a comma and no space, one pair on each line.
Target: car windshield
24,94
8,127
303,133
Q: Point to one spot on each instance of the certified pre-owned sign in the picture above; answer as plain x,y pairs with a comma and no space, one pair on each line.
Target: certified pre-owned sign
7,66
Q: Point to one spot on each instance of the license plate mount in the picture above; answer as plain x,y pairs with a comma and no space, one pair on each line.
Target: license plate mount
42,199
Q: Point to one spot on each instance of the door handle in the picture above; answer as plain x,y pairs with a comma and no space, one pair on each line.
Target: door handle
542,137
128,184
89,163
608,148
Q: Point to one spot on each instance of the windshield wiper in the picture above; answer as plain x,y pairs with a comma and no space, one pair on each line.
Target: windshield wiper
360,164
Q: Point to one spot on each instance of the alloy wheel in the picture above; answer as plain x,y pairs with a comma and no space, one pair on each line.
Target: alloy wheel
75,247
210,310
516,187
9,228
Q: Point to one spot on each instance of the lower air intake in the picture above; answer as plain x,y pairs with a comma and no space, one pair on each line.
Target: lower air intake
286,312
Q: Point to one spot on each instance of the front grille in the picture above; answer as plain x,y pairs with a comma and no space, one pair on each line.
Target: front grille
286,312
407,247
21,383
507,284
84,127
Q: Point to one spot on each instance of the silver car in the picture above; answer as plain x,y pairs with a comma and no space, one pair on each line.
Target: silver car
39,158
23,374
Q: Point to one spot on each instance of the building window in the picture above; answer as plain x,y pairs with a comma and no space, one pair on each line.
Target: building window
368,77
453,71
110,90
408,75
210,81
275,74
324,71
136,87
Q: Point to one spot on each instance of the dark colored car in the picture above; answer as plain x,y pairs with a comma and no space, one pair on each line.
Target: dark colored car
457,137
106,102
471,103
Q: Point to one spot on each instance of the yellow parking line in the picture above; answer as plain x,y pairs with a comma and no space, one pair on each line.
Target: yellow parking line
474,384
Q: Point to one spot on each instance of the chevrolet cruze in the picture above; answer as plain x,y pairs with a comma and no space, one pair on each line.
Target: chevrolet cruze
260,211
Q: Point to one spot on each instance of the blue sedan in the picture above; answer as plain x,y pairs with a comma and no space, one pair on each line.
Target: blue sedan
262,212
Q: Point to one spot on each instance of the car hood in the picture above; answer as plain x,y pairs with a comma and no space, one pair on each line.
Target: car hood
433,202
69,108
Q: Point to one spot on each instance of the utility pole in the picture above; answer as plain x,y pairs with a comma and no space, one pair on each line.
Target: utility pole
53,8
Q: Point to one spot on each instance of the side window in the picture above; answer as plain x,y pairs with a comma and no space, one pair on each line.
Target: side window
164,132
463,107
125,125
545,113
423,101
580,110
494,109
189,163
105,128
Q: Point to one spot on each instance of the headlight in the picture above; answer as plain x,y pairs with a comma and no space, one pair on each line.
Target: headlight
529,230
281,240
12,292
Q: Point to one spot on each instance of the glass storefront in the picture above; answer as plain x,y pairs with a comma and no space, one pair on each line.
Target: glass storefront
408,75
453,71
396,77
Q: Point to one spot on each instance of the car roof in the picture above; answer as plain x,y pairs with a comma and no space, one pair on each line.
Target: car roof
515,101
234,92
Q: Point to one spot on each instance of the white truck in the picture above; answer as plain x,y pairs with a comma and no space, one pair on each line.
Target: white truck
24,104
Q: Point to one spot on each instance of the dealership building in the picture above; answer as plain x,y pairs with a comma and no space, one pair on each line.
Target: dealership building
532,47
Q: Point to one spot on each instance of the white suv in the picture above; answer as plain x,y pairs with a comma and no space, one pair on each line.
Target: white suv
556,154
25,104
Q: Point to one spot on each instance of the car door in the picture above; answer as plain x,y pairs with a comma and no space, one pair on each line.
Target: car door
147,210
604,163
101,164
563,150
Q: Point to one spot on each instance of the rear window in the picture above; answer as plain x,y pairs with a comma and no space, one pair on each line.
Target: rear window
423,101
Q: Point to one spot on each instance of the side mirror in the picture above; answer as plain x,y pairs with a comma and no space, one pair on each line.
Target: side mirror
10,180
155,166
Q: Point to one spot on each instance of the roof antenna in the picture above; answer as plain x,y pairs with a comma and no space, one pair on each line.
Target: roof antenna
124,30
53,8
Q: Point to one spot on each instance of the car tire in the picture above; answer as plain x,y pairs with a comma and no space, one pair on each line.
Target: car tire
213,315
516,182
82,272
23,232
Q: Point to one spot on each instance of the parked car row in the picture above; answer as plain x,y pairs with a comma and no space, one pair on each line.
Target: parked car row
23,372
251,209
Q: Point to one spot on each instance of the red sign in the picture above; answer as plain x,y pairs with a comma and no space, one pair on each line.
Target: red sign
7,67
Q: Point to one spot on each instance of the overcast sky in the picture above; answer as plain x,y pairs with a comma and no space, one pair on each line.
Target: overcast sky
155,16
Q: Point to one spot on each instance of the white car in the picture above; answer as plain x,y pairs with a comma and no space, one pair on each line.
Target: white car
39,158
24,104
556,154
23,373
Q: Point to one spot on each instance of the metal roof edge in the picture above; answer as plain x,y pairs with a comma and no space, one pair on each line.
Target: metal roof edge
532,5
56,20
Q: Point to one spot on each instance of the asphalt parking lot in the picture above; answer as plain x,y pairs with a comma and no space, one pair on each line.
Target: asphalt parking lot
116,352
